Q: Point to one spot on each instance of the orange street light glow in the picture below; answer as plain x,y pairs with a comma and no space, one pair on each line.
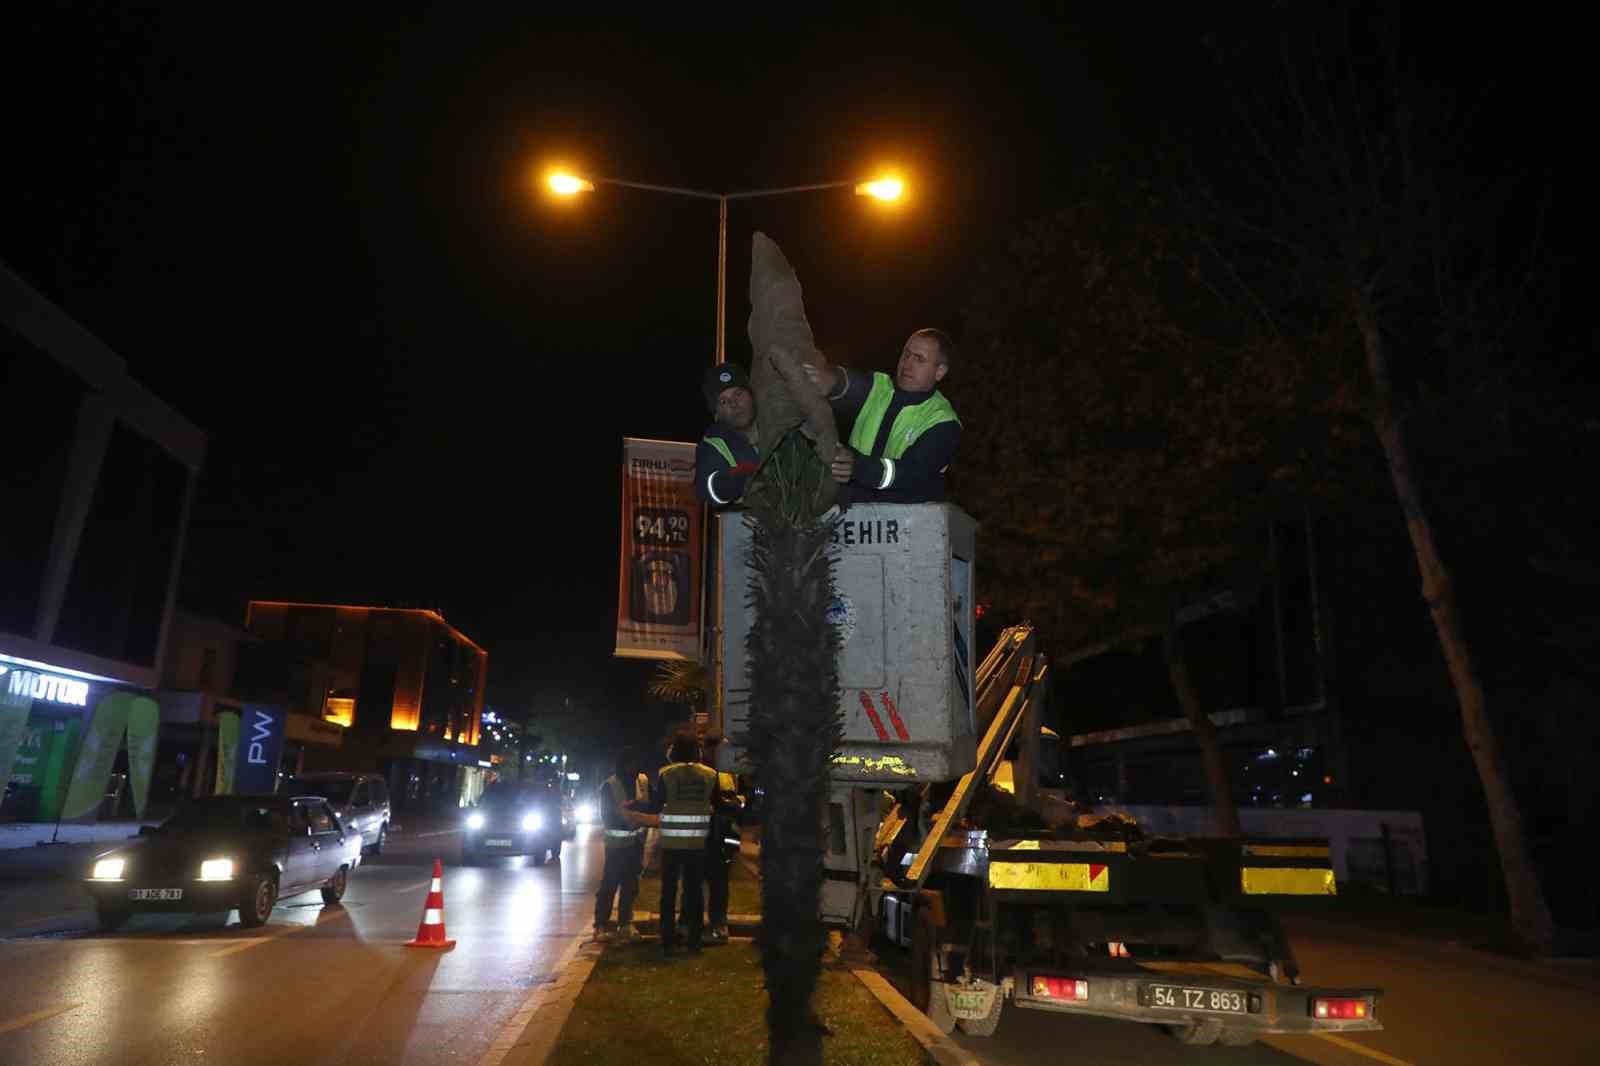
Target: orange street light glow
568,184
882,189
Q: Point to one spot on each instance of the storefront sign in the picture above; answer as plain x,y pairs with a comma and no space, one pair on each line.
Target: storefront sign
659,602
30,684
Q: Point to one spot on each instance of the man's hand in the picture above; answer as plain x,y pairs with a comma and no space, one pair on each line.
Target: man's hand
844,464
820,373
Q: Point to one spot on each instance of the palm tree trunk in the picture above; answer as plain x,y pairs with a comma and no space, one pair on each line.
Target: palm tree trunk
794,729
1530,915
1205,733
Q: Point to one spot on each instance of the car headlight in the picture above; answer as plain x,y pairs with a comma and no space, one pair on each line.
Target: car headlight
532,822
586,813
474,821
109,869
216,870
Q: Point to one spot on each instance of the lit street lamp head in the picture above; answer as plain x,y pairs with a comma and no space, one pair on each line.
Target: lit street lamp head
882,189
563,184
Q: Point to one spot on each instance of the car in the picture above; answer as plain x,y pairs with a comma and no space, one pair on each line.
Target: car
221,853
513,819
360,800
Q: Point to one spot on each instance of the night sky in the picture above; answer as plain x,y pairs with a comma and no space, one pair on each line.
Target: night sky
313,230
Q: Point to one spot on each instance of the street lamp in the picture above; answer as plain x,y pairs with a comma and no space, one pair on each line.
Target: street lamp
566,184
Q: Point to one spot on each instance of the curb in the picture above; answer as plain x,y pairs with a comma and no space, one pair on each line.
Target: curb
531,1035
940,1048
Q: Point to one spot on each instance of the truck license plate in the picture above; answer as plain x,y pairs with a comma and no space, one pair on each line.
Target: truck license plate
499,842
1176,997
155,893
969,1004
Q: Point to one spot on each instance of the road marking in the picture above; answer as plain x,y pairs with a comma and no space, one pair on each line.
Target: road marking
37,1016
1364,1050
557,992
255,942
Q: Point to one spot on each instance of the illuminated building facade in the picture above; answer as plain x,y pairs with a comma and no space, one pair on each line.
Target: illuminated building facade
406,685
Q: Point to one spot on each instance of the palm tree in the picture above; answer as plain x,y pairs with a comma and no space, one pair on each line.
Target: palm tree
794,725
681,681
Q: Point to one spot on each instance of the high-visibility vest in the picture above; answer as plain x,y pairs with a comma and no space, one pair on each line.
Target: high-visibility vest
619,832
912,422
686,812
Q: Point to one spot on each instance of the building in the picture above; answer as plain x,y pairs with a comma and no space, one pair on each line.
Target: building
99,476
406,685
213,666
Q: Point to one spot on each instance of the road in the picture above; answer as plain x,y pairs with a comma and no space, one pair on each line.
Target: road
318,984
1443,1007
334,985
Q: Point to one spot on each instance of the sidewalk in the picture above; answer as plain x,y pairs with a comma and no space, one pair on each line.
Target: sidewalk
28,834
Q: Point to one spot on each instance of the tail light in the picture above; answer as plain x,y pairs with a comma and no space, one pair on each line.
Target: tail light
1342,1009
1060,988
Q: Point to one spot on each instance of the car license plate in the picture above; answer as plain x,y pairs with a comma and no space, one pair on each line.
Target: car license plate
1176,997
499,842
155,893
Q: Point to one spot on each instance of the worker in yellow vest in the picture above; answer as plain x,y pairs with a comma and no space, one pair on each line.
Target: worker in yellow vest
722,844
622,830
683,799
905,432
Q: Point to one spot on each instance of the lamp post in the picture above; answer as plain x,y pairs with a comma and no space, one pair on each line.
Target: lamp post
565,184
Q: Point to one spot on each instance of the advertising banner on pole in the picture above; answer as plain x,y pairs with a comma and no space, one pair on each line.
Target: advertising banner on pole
97,755
144,722
659,608
259,748
227,748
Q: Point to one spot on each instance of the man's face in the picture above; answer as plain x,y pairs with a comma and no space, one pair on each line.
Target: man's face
920,367
736,408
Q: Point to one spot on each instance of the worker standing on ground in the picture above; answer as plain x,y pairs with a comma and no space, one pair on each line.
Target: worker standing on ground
623,830
683,798
722,844
905,431
727,454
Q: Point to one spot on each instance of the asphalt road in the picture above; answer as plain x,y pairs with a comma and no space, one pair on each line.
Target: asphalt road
1443,1006
334,985
318,984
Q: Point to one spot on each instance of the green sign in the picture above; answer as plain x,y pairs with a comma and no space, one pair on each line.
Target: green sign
227,750
144,721
43,759
13,729
97,755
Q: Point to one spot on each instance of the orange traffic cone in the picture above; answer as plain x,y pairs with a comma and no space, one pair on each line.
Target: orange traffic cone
430,931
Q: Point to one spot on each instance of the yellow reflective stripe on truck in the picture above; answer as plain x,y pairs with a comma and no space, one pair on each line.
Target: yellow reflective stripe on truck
1050,876
1286,881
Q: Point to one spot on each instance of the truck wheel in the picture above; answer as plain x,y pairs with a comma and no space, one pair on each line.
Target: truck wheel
927,991
1198,1033
986,1025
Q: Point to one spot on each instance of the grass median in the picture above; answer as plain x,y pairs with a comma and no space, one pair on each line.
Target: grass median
638,1007
744,891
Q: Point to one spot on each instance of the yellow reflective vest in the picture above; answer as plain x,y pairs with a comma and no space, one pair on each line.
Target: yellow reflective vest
686,789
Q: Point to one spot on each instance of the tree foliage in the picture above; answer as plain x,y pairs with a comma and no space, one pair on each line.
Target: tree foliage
1128,431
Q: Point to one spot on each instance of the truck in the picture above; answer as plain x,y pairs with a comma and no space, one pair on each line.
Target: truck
940,838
